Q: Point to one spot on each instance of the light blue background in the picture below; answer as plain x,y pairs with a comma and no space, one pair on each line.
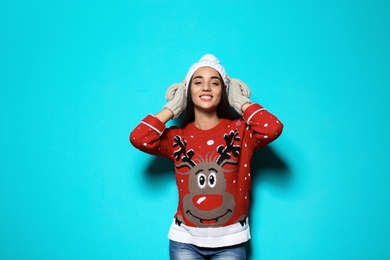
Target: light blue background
77,76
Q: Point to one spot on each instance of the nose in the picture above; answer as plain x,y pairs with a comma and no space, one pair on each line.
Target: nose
207,202
206,87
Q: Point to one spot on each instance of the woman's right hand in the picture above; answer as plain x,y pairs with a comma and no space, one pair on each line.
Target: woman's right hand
176,99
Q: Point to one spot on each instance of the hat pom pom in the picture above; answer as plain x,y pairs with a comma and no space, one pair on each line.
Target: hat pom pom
210,58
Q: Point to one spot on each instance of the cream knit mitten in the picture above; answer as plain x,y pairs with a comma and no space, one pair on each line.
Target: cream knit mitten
239,94
176,99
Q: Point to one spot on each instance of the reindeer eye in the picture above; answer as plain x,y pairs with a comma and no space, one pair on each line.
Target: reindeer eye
201,180
212,179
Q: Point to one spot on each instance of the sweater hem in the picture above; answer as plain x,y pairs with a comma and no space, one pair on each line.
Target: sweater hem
210,237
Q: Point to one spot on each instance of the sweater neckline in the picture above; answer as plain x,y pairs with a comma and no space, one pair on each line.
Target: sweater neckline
194,129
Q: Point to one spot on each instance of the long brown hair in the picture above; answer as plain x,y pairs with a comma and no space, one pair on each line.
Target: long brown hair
224,110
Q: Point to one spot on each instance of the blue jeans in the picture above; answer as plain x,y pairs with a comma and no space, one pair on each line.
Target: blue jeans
181,251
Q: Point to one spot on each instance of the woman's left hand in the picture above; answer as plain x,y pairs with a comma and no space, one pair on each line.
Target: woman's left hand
239,94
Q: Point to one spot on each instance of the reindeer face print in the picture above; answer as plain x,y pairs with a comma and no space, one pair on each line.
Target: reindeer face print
208,203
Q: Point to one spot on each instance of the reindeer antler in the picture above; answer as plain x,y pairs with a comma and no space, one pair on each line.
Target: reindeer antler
224,157
181,153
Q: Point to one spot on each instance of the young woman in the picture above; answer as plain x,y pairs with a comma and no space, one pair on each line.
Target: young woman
211,153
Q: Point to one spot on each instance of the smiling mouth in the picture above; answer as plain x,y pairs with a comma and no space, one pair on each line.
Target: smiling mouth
206,97
209,221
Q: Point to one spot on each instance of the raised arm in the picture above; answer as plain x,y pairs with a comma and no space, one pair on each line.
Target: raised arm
265,125
164,115
147,136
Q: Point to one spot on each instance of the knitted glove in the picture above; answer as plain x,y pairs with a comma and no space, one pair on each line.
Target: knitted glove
239,94
176,98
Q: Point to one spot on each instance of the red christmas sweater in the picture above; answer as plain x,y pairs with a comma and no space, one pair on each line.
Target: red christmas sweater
212,170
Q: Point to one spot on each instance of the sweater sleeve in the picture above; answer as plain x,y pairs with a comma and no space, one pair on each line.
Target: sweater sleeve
265,126
150,137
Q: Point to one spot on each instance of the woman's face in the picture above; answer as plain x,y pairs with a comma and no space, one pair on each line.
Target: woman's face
206,88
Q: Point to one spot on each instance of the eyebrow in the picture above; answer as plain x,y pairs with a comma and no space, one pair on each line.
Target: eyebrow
212,77
196,173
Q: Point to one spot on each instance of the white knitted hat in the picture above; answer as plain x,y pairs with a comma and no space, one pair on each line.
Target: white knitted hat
208,60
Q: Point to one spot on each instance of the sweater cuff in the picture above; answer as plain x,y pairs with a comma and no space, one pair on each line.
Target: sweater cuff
154,123
251,111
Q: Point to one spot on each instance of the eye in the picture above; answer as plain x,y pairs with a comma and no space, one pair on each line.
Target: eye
201,180
212,179
198,82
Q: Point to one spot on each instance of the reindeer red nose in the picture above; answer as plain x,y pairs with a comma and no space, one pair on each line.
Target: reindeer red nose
207,202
